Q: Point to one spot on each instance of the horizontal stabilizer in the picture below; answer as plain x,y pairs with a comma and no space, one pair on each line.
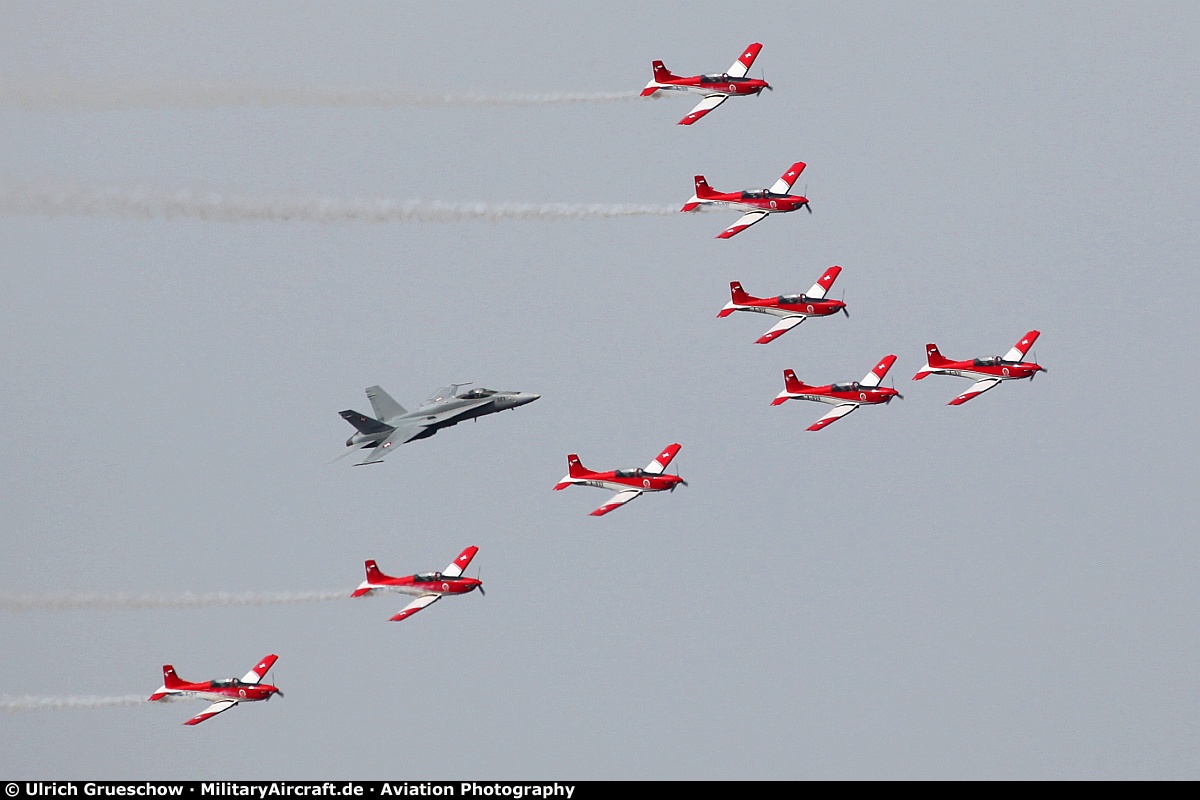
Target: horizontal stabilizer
363,423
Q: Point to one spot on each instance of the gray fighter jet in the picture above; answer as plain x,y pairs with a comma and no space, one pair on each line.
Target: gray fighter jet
392,425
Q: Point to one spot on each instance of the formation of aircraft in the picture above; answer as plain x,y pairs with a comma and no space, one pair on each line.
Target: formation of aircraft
987,372
392,425
844,397
225,693
757,203
428,587
716,88
627,483
791,308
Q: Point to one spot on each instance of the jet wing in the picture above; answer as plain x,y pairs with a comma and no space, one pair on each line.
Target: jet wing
833,416
620,499
212,711
703,107
977,388
405,433
745,61
659,464
256,675
824,283
415,606
745,222
459,565
875,376
783,326
784,184
1022,347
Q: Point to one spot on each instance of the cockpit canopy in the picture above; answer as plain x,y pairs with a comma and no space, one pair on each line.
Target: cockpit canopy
853,386
749,194
714,78
227,682
791,299
630,473
476,394
427,577
993,361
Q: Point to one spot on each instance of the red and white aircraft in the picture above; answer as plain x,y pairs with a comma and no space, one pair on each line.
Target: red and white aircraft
627,483
988,372
793,308
845,397
429,587
757,203
715,88
226,693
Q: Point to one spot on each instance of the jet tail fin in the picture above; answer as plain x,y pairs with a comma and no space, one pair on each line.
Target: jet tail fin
383,404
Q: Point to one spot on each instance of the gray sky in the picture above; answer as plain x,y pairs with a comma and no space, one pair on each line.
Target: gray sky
1000,590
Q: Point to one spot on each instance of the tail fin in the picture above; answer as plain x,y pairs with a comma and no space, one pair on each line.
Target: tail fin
170,679
738,297
792,385
385,407
934,359
703,190
374,577
661,73
575,468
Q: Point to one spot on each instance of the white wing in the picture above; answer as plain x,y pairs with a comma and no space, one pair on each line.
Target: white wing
833,416
1018,351
703,107
784,184
415,606
977,388
745,222
745,61
212,711
783,326
619,500
660,462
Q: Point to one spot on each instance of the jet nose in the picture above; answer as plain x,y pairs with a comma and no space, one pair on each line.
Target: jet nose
523,398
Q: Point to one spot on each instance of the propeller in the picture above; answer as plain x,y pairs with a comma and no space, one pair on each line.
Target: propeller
1040,368
478,577
807,207
277,691
844,309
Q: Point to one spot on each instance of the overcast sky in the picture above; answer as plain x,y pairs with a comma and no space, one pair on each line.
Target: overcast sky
1000,590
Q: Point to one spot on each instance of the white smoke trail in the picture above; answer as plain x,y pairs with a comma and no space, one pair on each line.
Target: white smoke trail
108,601
31,703
142,203
34,95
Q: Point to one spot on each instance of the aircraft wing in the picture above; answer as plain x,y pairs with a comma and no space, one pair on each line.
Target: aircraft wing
703,107
620,499
256,675
977,388
1018,351
783,326
745,61
745,222
212,711
833,416
784,184
402,434
824,283
875,376
415,606
659,464
459,565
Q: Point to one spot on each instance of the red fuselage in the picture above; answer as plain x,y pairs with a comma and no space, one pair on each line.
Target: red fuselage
621,479
756,200
839,393
712,84
789,305
423,583
993,367
229,689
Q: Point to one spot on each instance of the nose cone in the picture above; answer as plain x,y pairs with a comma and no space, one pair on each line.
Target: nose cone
523,398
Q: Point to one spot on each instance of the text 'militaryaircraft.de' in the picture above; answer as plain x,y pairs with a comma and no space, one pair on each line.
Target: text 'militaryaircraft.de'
792,308
393,425
715,88
844,397
429,587
226,693
757,203
987,372
627,483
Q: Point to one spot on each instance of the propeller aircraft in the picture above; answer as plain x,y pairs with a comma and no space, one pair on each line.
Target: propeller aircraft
792,308
226,693
757,203
429,587
627,483
715,88
988,372
844,397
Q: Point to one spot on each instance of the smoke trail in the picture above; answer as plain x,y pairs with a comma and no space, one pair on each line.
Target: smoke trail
108,601
35,95
141,203
30,703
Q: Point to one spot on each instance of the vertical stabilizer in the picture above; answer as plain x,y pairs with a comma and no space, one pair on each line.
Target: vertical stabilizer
385,407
